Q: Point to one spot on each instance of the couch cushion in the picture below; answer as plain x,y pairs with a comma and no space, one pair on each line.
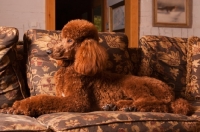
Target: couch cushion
116,45
21,58
115,121
13,123
12,86
193,72
165,58
135,56
41,68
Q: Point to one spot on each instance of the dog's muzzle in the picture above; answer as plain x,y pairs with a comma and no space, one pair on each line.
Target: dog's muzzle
49,51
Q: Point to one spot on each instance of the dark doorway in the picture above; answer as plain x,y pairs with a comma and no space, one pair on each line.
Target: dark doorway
67,10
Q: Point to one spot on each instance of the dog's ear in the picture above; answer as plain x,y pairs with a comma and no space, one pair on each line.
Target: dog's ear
59,62
90,58
63,63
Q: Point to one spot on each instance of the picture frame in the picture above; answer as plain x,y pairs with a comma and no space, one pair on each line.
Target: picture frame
117,17
172,13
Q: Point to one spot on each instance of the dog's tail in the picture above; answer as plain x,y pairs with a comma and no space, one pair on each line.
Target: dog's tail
182,106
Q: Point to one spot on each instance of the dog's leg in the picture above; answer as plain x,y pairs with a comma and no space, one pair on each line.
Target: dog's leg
161,91
143,104
126,105
181,106
44,104
109,107
151,104
149,94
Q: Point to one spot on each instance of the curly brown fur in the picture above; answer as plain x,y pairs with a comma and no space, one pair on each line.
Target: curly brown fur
83,85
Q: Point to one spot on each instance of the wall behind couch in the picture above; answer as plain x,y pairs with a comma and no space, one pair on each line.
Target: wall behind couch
22,14
146,27
27,14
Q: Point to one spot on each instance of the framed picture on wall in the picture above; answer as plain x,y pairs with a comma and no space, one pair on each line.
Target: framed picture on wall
172,13
117,17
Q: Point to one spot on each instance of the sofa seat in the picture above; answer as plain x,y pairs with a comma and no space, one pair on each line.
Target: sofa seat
11,123
106,121
113,121
154,58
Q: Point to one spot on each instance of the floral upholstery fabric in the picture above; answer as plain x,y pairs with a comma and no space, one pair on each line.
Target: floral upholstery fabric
12,86
165,58
116,45
135,56
106,121
41,68
110,121
193,72
10,123
21,58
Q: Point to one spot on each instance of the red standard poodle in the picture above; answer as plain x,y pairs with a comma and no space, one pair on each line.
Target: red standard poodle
83,85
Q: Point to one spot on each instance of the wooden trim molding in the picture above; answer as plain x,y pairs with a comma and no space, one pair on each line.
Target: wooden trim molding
50,11
132,21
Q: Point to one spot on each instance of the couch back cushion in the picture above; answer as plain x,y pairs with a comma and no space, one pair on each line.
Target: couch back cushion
135,56
12,86
41,68
164,58
116,45
193,71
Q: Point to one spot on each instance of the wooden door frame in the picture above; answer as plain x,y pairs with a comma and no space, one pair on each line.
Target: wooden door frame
50,14
131,19
132,22
95,4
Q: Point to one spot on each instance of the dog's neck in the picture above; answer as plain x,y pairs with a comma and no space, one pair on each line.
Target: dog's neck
66,63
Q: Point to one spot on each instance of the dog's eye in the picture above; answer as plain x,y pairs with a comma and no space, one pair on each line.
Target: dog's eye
69,40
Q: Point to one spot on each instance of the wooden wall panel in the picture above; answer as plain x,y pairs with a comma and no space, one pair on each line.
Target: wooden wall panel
132,21
50,12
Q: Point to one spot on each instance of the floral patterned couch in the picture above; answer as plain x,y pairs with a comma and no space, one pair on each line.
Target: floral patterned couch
26,70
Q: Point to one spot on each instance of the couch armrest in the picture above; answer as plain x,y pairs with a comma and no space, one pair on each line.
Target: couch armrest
12,86
193,69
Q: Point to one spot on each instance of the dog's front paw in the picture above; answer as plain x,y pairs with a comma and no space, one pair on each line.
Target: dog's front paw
11,110
129,109
5,110
152,108
15,109
109,107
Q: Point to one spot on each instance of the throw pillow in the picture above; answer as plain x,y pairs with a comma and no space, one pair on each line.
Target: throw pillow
12,86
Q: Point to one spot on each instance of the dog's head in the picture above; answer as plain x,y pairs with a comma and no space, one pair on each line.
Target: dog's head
80,47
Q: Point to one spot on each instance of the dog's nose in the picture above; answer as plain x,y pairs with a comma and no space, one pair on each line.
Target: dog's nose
48,51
